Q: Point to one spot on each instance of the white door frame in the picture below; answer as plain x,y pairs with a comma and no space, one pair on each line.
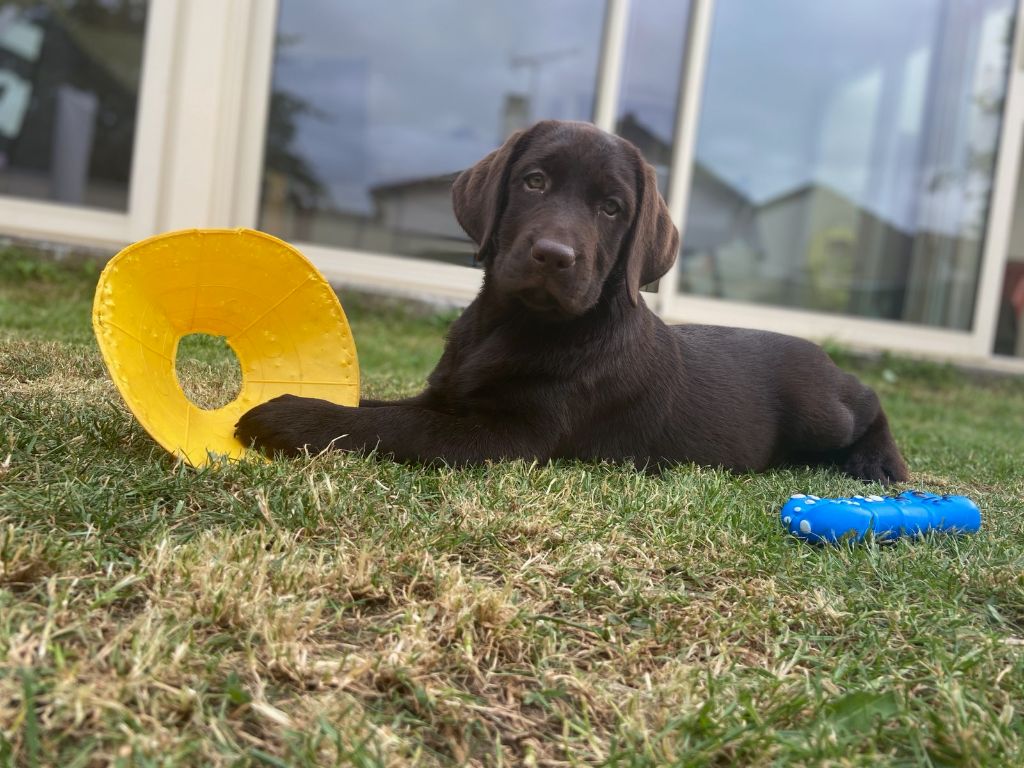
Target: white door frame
1001,207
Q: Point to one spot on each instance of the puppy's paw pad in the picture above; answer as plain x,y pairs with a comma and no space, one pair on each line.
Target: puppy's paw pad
877,469
274,426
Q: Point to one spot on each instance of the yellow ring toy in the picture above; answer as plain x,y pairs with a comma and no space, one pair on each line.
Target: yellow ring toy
278,314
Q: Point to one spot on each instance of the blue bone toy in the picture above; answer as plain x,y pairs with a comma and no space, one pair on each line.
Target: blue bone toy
912,512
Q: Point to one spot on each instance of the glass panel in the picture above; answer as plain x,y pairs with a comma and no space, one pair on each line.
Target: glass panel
1010,325
376,105
1010,320
845,155
69,89
650,79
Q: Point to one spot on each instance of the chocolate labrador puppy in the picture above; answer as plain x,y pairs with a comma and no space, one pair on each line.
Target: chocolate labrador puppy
558,356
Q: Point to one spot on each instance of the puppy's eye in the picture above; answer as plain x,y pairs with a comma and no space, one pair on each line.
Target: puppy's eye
611,207
535,181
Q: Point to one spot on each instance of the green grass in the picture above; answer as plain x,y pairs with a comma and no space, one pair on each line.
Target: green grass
345,610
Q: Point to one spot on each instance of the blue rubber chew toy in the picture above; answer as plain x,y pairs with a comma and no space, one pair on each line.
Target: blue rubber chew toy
912,512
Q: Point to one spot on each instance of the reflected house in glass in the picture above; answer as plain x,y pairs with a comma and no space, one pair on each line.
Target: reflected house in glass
820,251
413,217
419,214
813,247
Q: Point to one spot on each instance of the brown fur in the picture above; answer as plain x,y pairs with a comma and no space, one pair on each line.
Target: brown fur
558,356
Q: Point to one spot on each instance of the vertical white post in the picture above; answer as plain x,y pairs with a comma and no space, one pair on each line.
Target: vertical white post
148,174
684,140
1004,192
255,108
206,114
612,61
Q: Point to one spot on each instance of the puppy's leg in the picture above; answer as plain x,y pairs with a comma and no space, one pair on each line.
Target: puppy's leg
874,455
405,431
846,428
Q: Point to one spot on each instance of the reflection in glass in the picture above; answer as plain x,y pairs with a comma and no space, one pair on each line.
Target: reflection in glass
1010,319
844,164
69,86
1010,325
376,106
650,79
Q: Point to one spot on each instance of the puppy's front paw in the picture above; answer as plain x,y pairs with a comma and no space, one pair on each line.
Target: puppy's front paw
285,425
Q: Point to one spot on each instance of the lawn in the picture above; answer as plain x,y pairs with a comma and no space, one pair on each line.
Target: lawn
347,610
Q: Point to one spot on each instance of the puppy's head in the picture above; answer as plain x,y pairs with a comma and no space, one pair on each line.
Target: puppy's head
563,212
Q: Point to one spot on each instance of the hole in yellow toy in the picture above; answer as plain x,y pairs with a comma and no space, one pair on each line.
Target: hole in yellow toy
208,371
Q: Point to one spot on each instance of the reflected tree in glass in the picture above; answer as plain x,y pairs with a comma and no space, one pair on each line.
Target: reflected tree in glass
69,85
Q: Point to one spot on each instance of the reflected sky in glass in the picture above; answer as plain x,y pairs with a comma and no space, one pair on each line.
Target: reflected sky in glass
845,155
407,90
795,94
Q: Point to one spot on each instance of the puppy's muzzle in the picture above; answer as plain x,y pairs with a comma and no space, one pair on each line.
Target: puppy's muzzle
552,256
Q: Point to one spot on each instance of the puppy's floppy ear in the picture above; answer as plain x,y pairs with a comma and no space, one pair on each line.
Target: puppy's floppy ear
653,241
480,193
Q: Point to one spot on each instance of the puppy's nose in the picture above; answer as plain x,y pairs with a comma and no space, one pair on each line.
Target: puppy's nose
552,255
